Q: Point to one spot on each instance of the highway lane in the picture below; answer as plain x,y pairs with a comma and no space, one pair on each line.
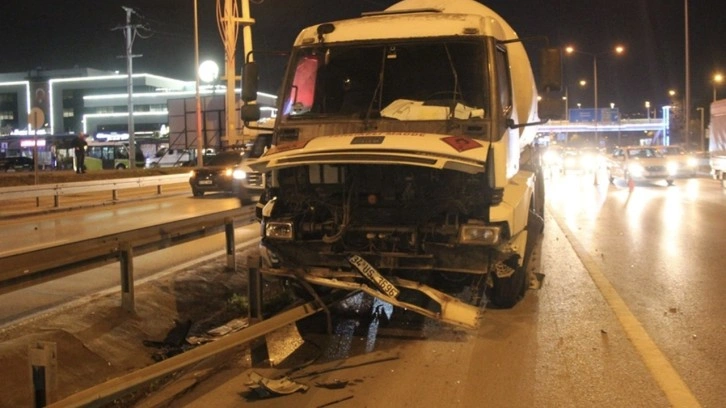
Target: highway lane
661,249
45,230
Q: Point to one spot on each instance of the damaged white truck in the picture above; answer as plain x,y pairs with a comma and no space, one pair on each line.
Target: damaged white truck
403,160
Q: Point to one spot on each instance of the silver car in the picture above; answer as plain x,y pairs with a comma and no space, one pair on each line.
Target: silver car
638,163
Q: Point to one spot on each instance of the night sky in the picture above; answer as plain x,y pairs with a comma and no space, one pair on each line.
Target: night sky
58,34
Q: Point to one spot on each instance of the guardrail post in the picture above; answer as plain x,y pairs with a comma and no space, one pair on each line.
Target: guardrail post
126,258
56,200
158,189
229,235
254,288
43,364
114,194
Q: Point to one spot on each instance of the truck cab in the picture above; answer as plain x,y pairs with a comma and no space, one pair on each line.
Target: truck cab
403,160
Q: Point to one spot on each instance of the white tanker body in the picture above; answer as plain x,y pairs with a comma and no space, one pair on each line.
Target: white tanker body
402,159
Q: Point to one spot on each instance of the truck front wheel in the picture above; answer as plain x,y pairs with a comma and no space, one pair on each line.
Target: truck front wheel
506,291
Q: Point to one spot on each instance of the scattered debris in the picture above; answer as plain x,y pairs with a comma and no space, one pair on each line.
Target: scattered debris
333,385
336,401
230,327
265,387
673,310
174,343
536,281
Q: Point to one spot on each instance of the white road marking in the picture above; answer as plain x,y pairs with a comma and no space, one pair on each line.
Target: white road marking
668,379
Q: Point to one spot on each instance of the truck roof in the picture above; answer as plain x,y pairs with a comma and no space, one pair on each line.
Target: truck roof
401,26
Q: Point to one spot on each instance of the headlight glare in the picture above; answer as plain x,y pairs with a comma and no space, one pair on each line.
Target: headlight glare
635,169
239,174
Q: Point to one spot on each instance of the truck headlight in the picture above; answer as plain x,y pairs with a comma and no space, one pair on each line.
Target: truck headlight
474,234
279,230
636,169
672,168
692,162
239,174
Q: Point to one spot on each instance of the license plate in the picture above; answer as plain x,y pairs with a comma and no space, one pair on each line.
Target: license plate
373,275
205,182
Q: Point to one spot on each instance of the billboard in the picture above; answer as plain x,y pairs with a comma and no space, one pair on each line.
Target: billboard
605,115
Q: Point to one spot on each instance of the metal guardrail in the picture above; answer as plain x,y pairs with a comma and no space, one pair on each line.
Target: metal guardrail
113,185
24,269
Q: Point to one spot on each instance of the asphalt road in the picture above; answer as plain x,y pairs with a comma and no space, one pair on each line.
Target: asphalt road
630,314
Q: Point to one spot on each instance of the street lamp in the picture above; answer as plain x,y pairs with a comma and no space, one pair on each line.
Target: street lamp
617,50
703,133
717,79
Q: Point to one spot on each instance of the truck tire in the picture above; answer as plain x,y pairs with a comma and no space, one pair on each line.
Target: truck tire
505,292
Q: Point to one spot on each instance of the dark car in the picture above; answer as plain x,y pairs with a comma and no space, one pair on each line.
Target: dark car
225,172
19,163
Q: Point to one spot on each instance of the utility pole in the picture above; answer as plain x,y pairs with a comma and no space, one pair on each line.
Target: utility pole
130,34
687,101
229,32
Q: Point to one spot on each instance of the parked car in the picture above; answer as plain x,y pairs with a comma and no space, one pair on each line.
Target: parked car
640,163
17,163
227,173
687,163
166,157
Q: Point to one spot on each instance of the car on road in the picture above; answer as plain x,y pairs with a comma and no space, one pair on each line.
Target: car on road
226,172
687,163
16,163
582,160
639,163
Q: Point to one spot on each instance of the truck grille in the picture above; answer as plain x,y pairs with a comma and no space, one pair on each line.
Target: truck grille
254,178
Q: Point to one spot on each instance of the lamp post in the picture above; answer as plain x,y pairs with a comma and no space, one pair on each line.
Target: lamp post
717,79
200,143
703,136
647,109
617,50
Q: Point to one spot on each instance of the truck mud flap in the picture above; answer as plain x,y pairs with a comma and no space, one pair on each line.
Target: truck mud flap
453,310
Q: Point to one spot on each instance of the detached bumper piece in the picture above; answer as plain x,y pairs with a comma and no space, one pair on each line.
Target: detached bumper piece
451,309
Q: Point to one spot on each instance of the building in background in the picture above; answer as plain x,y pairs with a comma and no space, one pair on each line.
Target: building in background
94,102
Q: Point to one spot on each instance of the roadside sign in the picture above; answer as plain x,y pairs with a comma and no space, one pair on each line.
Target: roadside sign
36,118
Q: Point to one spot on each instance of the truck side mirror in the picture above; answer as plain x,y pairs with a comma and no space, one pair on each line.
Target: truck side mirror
250,80
550,70
250,112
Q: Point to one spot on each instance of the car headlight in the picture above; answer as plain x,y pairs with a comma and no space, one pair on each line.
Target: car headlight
636,169
239,174
672,168
692,162
550,158
279,230
475,234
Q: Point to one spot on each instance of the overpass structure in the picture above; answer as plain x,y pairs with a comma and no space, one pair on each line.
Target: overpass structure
624,125
609,133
